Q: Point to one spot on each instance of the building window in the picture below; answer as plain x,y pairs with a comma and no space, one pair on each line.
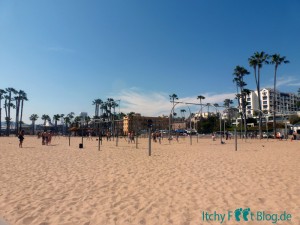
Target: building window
265,102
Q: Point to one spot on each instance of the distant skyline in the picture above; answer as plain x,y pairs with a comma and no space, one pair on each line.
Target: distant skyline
65,54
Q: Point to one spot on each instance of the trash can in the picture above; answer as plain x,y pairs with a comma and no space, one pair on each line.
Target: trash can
80,145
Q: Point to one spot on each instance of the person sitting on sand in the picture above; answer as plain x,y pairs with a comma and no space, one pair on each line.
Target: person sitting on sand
21,138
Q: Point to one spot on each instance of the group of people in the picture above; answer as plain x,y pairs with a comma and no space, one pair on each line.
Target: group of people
157,136
130,136
46,137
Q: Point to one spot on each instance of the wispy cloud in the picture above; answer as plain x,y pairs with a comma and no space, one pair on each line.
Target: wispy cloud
285,81
60,49
158,103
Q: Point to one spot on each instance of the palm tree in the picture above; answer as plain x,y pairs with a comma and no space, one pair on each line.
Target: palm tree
182,113
200,97
239,73
68,119
23,98
173,97
33,118
17,99
46,118
2,92
227,103
104,110
8,106
56,118
97,102
256,61
276,60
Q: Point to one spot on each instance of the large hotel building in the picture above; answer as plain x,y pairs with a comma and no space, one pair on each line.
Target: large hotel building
286,103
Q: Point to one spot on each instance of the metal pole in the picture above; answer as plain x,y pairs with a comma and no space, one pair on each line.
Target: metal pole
197,137
81,134
149,141
99,141
136,140
235,139
191,137
117,139
267,126
285,129
170,129
69,139
221,129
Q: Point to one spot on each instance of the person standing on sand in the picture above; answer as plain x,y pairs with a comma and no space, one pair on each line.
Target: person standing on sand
44,138
294,135
213,137
21,138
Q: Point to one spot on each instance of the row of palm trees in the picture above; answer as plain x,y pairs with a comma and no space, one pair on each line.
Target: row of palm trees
13,99
257,61
106,109
69,120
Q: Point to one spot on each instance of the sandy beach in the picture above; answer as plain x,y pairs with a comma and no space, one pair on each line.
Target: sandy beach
64,185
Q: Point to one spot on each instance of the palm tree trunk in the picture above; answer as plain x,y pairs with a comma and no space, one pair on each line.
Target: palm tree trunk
0,117
17,115
21,116
259,104
8,115
274,103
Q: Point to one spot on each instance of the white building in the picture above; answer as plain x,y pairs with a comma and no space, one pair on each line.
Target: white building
286,103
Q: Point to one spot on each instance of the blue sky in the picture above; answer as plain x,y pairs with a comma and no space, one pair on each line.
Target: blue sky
65,54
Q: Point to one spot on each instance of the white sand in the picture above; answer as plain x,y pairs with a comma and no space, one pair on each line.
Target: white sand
60,185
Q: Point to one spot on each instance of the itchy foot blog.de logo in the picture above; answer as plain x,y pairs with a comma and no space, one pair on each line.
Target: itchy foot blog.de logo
245,214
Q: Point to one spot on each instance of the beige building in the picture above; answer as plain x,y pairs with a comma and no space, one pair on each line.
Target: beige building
136,122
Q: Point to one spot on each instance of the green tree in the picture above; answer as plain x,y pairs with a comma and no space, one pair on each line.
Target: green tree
276,60
33,118
257,60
